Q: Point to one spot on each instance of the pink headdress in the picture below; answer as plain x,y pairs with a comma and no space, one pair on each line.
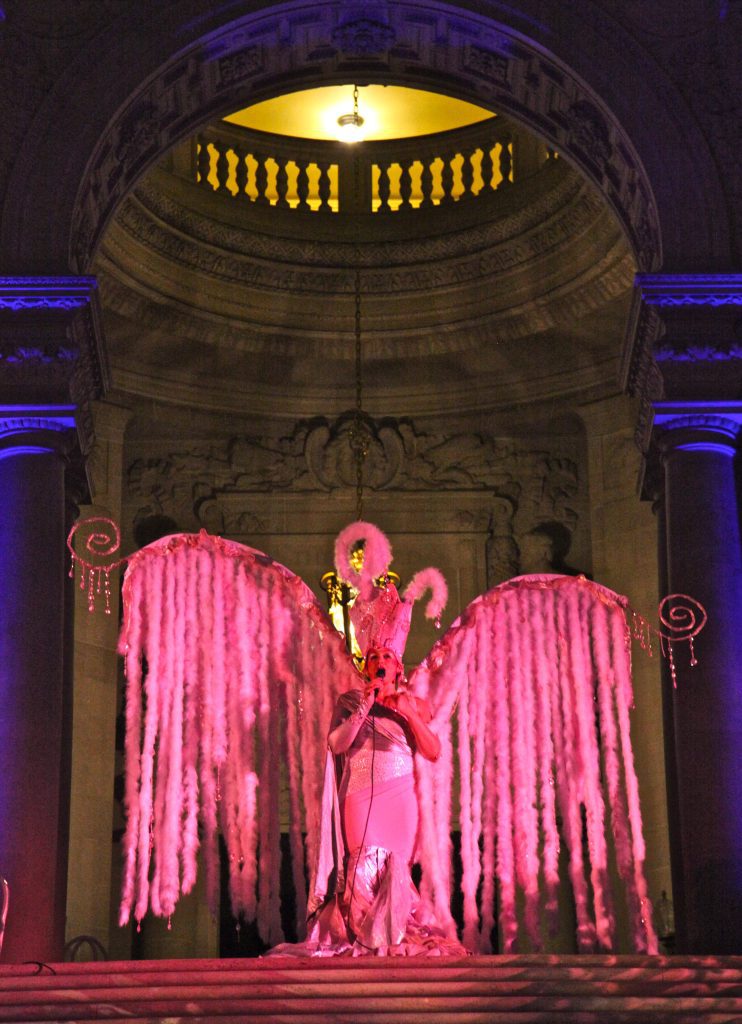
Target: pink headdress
380,617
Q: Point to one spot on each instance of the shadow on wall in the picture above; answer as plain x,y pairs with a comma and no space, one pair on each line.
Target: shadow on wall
544,549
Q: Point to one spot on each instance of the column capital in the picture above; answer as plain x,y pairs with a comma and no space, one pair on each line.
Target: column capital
51,345
683,345
697,426
35,428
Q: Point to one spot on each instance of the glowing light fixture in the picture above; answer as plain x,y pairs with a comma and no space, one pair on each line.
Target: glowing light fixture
350,126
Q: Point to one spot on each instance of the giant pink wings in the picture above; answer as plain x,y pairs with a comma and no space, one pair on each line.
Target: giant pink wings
233,669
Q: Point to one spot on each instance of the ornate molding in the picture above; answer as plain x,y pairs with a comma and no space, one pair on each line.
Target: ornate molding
52,343
722,419
18,419
679,327
469,254
198,485
482,280
52,293
676,290
363,37
565,206
674,352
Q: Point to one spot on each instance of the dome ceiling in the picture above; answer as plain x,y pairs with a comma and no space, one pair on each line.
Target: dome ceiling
388,112
518,297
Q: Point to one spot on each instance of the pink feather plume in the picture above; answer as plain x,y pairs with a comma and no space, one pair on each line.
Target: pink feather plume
428,579
377,554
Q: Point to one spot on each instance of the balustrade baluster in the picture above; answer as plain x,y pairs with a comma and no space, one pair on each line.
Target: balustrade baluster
405,187
467,175
407,176
488,169
203,162
240,171
282,184
302,184
506,161
222,167
426,183
384,188
324,186
261,178
447,181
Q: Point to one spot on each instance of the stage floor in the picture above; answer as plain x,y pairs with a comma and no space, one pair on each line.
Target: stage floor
474,990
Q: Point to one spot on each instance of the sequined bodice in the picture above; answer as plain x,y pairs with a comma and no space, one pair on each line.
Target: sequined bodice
387,764
391,757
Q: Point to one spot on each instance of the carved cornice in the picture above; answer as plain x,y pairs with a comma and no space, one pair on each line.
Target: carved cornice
19,419
327,336
639,374
715,417
52,343
699,427
724,352
362,37
482,279
50,293
528,208
680,325
676,290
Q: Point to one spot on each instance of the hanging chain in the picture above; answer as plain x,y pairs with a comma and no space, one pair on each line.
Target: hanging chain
360,441
359,434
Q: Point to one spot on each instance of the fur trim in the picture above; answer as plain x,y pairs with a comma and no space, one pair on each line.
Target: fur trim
428,579
377,554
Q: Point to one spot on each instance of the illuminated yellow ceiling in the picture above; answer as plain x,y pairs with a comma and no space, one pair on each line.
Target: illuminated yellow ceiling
389,112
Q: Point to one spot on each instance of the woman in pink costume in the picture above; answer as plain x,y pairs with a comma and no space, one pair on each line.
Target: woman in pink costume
370,796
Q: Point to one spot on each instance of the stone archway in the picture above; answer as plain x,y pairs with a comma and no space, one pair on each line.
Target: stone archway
428,44
576,77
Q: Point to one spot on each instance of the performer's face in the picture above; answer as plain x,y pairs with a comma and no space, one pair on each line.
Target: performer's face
383,658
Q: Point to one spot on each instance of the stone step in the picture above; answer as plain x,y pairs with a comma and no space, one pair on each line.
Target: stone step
523,989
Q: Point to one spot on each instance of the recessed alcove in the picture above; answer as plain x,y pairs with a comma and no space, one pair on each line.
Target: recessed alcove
492,321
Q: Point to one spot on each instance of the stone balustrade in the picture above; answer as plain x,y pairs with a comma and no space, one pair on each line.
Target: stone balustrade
379,177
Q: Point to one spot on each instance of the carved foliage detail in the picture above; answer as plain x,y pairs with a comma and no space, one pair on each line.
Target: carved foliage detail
363,37
527,485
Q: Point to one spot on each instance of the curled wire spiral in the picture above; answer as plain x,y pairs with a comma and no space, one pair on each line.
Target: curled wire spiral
681,619
102,539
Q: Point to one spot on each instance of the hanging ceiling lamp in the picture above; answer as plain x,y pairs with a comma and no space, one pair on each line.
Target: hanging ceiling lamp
340,596
350,126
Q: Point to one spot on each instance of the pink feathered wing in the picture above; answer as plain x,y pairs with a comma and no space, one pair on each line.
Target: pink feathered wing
528,664
230,660
231,666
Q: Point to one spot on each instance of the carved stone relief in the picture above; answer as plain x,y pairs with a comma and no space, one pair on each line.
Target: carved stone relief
231,487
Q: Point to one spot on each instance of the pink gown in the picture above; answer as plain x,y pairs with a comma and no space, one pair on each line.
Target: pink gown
363,900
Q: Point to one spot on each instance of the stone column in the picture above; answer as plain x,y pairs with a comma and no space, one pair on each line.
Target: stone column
623,535
32,566
698,443
94,698
53,364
